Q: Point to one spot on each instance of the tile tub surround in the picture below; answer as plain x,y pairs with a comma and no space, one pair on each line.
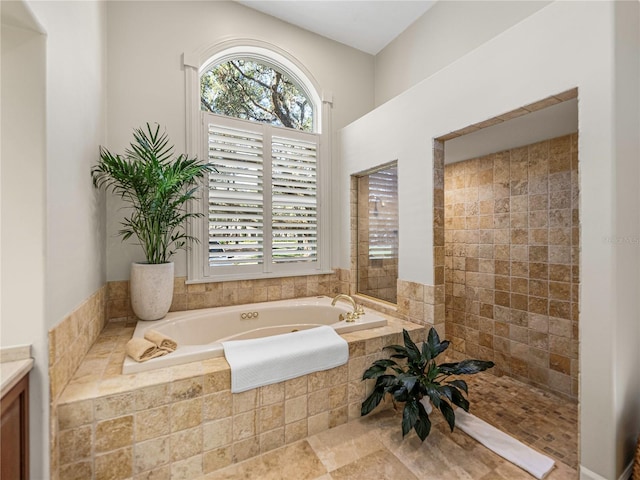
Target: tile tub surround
69,342
373,447
512,258
182,422
71,339
422,304
222,294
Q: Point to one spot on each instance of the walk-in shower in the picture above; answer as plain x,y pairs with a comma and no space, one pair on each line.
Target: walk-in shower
512,246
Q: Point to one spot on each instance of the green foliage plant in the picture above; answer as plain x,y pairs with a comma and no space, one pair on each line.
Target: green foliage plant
157,188
418,376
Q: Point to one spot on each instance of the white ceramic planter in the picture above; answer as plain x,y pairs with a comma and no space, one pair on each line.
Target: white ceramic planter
151,289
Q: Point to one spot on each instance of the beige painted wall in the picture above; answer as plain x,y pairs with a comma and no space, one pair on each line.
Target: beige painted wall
147,83
53,99
23,216
528,62
626,242
23,182
446,32
76,126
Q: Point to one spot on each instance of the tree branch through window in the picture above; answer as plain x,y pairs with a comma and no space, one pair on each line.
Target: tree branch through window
253,91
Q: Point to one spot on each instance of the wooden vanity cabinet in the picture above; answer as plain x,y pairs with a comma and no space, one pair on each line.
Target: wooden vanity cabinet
14,443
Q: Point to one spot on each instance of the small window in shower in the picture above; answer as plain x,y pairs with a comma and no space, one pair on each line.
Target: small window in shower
378,232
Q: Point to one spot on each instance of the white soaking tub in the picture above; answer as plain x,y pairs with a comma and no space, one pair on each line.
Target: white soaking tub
199,333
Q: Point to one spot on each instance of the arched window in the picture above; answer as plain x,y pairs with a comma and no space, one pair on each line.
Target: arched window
247,89
266,207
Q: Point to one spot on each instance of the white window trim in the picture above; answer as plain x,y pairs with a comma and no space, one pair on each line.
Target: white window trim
197,256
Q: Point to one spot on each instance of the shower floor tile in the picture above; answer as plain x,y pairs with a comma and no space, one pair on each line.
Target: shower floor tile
373,447
537,418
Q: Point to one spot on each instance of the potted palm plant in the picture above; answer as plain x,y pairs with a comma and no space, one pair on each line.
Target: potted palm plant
157,188
419,382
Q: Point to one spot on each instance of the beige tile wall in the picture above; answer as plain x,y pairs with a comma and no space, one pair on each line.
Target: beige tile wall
438,213
422,304
511,261
69,341
182,422
378,279
220,294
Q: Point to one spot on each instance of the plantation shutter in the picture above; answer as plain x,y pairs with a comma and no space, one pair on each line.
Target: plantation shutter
383,214
236,206
263,199
294,205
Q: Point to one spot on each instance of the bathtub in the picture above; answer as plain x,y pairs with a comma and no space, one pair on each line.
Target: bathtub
199,333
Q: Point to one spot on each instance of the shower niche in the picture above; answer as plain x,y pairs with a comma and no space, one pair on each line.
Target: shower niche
377,232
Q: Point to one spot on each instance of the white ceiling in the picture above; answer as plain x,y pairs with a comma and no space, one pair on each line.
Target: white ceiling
368,25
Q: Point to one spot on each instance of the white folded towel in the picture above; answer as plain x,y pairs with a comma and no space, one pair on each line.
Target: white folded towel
504,445
263,361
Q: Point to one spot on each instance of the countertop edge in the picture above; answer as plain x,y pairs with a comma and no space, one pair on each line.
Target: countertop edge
12,372
12,354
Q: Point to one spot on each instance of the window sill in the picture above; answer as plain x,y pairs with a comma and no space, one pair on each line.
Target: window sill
263,276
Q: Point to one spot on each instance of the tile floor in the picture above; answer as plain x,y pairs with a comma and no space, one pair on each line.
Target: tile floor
372,446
